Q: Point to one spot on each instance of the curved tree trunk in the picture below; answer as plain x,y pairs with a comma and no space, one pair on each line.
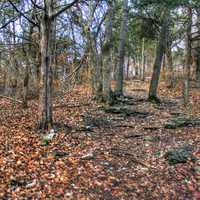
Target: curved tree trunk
158,60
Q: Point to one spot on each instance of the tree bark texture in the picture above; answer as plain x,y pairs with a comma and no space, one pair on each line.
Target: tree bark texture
121,50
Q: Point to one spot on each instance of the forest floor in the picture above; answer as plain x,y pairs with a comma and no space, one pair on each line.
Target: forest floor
100,155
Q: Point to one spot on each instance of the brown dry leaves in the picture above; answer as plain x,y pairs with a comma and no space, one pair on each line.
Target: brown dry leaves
81,164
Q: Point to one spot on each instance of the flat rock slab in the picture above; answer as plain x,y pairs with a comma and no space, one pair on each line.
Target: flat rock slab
166,105
127,111
182,121
99,121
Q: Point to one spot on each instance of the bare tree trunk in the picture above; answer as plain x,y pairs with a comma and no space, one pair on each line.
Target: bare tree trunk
95,61
164,66
106,52
143,59
198,51
46,45
12,71
137,63
198,65
27,68
38,69
128,66
188,58
91,49
158,60
54,70
121,51
170,67
168,53
26,87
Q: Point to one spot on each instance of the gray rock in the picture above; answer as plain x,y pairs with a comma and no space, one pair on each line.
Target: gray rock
182,121
180,155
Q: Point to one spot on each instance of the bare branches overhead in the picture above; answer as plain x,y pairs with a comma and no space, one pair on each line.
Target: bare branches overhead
22,14
57,13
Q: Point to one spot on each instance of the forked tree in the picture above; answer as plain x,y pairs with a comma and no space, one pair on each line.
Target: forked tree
48,13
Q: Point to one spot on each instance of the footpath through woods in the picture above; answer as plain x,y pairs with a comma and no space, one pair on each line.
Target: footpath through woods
133,150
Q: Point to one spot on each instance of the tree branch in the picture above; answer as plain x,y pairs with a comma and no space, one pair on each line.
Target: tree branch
22,14
64,9
100,24
36,5
8,22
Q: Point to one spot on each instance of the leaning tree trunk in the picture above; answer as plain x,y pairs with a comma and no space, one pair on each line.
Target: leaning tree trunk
158,60
46,119
121,51
188,58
